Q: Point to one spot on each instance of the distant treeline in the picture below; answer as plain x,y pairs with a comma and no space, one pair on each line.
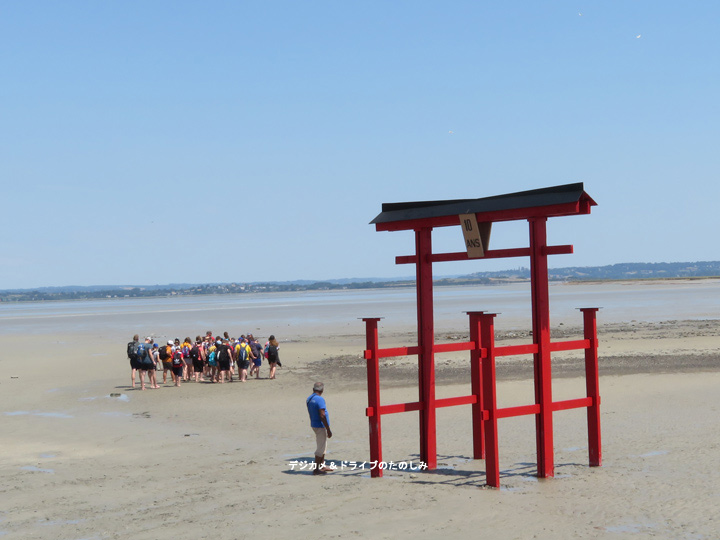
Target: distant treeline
624,271
66,293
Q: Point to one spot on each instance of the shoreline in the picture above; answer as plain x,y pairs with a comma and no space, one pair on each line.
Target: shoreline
400,285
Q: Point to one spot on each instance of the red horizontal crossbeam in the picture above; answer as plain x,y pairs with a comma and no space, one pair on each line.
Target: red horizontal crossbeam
506,412
389,353
522,410
454,347
513,350
395,408
573,404
508,350
566,249
567,209
418,405
409,351
453,401
570,345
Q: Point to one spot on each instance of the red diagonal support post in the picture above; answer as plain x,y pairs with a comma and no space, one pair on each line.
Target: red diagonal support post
592,383
426,342
373,378
478,424
541,337
492,456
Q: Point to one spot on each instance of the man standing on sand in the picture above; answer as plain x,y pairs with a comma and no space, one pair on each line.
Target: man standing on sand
320,423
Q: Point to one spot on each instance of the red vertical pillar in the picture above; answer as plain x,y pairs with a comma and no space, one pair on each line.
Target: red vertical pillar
489,395
426,343
592,383
373,378
541,337
478,424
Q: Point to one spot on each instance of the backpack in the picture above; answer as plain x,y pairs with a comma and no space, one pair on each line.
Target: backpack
140,352
164,353
243,352
147,360
185,351
177,360
266,349
131,350
195,352
211,359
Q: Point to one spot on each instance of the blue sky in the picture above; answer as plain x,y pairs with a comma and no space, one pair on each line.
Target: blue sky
163,142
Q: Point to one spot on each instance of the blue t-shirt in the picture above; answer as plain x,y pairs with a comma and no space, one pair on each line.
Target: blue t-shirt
314,404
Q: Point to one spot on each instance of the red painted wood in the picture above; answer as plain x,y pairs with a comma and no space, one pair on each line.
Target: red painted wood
402,407
541,337
521,410
454,347
409,351
453,401
506,412
396,351
489,400
426,341
373,376
570,345
531,348
490,254
592,384
478,423
571,404
512,350
396,408
566,249
483,351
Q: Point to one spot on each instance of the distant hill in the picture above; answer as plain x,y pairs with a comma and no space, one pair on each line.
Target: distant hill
623,271
620,271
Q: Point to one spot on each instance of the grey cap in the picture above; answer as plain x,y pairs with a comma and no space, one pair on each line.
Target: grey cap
318,387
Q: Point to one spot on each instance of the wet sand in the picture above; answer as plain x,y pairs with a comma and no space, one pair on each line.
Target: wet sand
86,457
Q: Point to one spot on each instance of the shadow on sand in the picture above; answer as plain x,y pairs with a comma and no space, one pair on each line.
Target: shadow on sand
450,470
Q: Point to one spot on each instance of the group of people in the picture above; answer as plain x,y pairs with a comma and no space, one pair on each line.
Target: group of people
215,359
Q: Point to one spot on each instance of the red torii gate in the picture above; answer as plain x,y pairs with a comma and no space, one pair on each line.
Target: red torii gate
536,207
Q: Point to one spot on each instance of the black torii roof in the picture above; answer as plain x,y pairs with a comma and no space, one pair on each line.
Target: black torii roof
567,199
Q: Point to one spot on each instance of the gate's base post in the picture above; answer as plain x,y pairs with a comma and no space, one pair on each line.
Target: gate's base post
476,377
492,459
592,383
373,378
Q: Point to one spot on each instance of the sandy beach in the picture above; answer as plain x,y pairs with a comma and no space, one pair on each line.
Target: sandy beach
87,457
